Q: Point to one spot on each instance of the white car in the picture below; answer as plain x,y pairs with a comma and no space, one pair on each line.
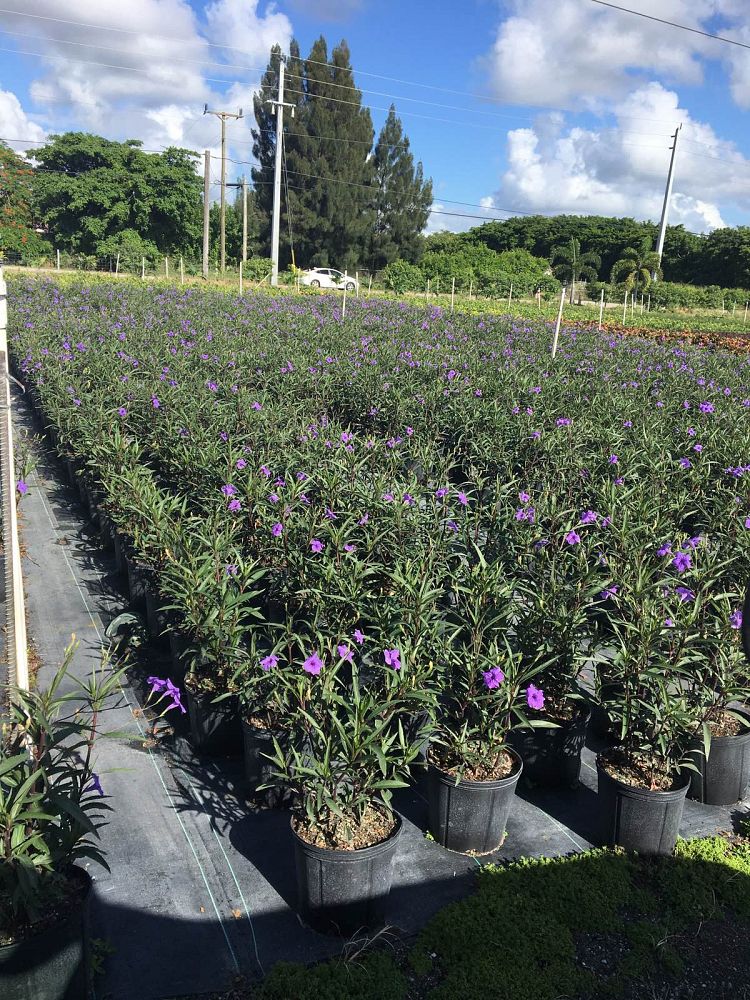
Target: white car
328,277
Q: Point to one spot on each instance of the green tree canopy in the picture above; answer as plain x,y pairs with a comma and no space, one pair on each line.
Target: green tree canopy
636,266
402,200
17,232
89,189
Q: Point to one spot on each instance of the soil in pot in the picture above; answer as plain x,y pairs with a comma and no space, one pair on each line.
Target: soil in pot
345,891
636,817
214,726
51,960
470,816
257,739
552,756
723,777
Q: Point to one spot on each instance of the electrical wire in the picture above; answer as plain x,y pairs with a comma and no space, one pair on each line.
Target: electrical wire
674,24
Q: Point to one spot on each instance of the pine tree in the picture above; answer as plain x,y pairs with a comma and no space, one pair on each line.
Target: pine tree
402,200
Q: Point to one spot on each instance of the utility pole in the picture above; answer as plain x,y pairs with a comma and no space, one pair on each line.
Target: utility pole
244,221
206,207
222,116
667,196
278,106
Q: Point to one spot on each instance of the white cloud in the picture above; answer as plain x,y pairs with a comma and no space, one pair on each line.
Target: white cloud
149,79
554,168
578,54
16,125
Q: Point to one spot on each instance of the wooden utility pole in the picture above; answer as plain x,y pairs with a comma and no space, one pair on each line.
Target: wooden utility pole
559,321
244,221
222,116
206,207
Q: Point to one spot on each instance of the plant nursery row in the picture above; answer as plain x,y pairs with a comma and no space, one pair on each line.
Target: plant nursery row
405,539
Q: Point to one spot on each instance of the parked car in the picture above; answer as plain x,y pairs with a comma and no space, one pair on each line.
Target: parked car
329,277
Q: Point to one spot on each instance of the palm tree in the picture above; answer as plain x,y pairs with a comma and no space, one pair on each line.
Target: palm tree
574,265
637,268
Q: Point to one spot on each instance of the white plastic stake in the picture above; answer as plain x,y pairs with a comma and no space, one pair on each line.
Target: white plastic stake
356,281
182,271
343,307
240,277
601,308
453,293
625,308
166,267
510,294
117,263
58,260
369,285
559,321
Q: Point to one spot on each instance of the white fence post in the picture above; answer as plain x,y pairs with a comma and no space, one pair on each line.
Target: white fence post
601,308
58,260
166,267
625,308
559,321
182,271
453,293
240,277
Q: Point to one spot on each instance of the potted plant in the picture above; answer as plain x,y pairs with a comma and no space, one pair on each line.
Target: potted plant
553,631
720,753
51,810
348,759
643,775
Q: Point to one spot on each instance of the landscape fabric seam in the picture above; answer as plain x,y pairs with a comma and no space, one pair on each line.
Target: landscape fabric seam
55,527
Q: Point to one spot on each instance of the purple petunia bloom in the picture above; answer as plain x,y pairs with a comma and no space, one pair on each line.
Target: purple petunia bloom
234,505
440,493
682,562
698,448
176,695
735,619
534,697
155,402
277,530
609,591
269,662
452,525
22,488
685,463
359,636
256,405
572,538
122,412
524,497
493,677
707,407
231,569
240,463
589,517
313,664
392,658
348,547
265,471
694,542
463,499
156,683
363,520
747,522
228,490
613,459
665,550
563,422
685,593
669,622
316,545
345,653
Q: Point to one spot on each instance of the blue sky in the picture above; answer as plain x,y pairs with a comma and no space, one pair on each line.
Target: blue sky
559,105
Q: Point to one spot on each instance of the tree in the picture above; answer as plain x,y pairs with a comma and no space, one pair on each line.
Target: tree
402,200
574,265
636,266
89,190
17,232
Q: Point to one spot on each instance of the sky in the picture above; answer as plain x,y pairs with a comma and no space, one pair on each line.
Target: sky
513,106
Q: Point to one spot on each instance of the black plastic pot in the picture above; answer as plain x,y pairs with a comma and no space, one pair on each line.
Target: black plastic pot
552,757
638,819
724,777
745,628
120,556
342,892
470,816
214,726
157,619
257,746
137,583
53,964
178,646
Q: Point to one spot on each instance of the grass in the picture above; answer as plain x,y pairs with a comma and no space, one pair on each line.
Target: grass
597,924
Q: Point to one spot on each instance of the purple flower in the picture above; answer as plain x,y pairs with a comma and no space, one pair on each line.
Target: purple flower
452,525
359,637
589,517
363,520
240,463
96,785
747,522
694,542
534,697
155,402
665,550
234,505
440,493
691,432
231,569
707,407
348,547
572,538
685,463
392,658
176,695
228,490
277,530
682,562
735,619
609,592
613,459
269,662
627,423
256,405
330,516
313,664
669,622
316,545
122,411
463,499
524,497
157,684
685,593
265,471
22,488
345,653
698,448
563,421
493,677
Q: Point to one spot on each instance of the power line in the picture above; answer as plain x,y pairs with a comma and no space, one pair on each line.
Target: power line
674,24
490,98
